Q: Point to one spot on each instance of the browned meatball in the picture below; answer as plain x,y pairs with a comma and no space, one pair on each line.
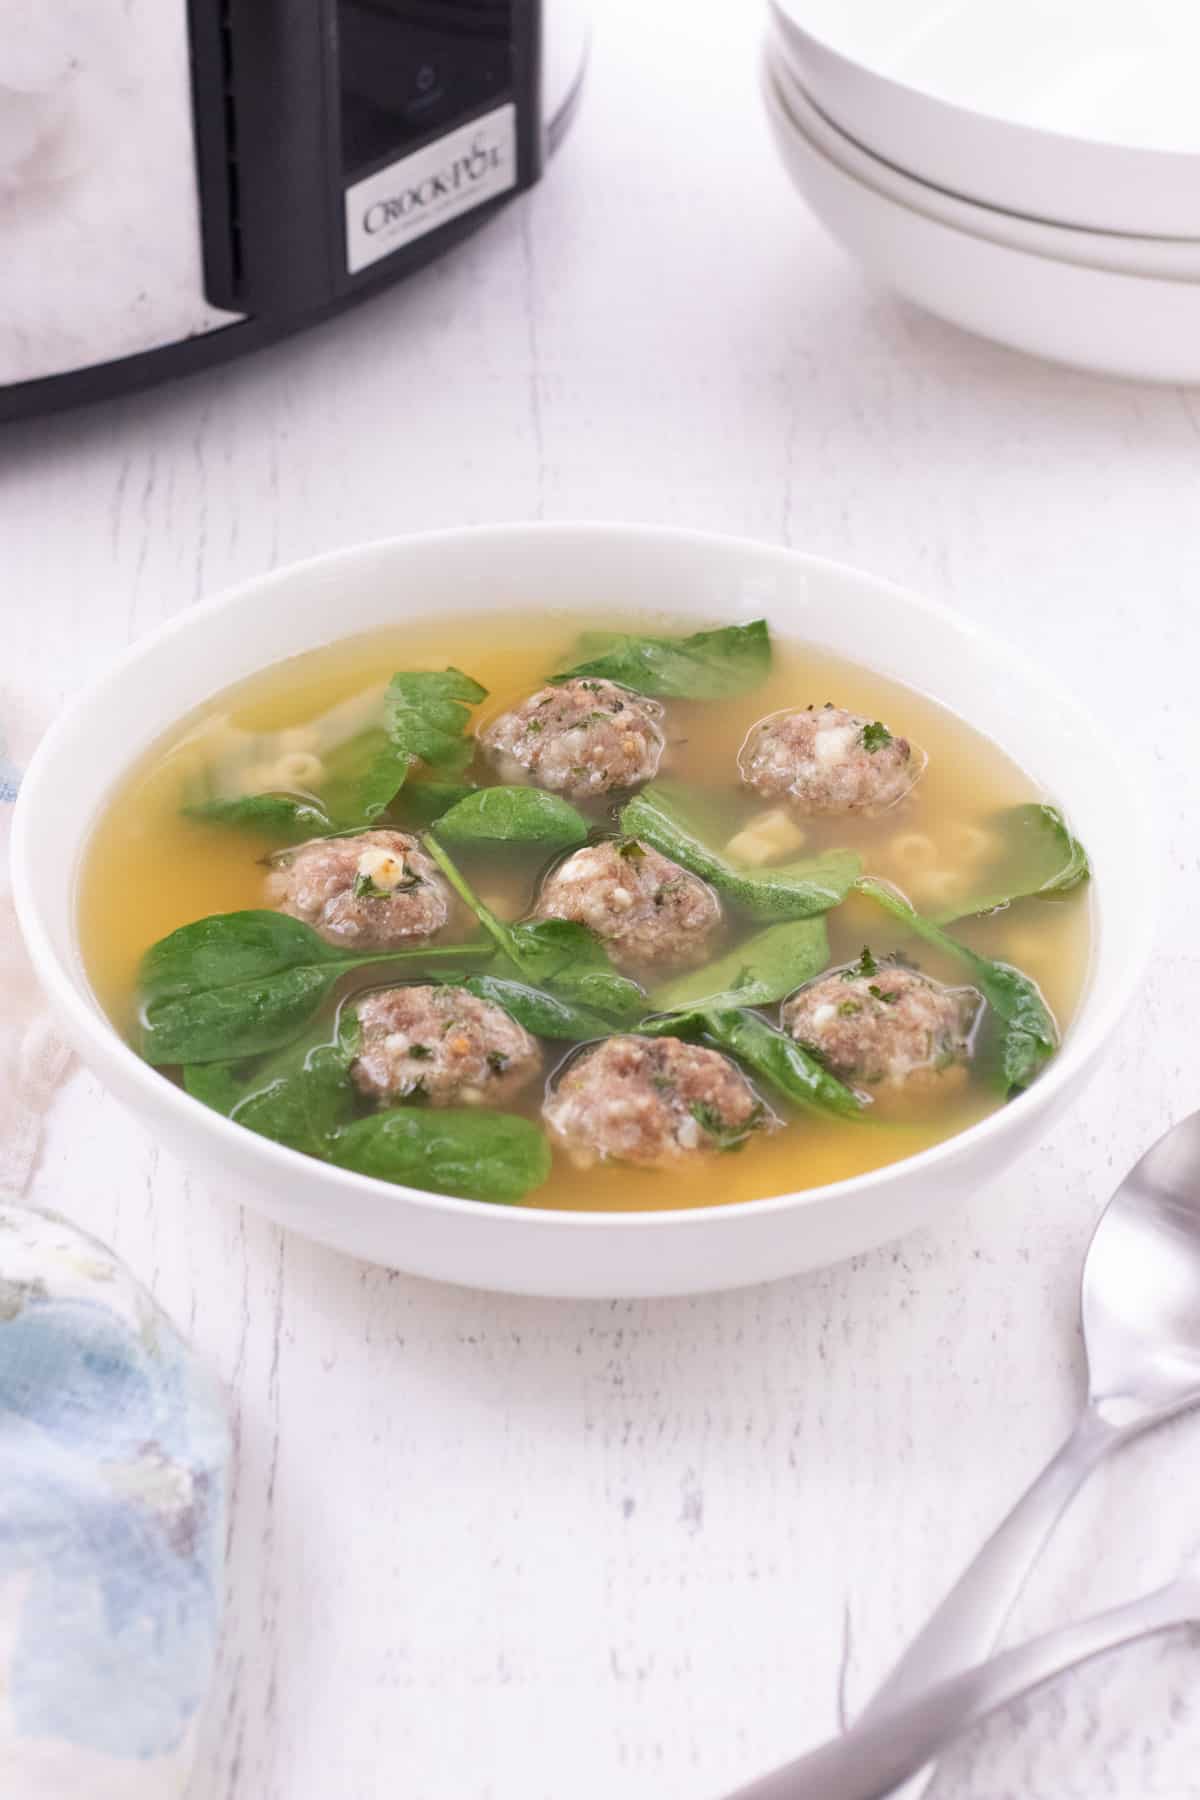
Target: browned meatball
827,760
581,739
442,1044
646,909
653,1102
882,1024
373,891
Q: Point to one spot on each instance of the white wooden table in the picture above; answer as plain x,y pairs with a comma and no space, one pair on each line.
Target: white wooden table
498,1549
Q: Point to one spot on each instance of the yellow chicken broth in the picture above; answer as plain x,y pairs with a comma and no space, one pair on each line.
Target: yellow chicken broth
149,868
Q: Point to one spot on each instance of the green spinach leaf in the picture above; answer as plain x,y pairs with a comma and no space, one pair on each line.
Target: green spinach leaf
299,1096
709,665
660,816
514,815
280,817
571,961
765,967
303,1097
421,803
546,1014
240,984
1039,854
348,770
558,955
473,1154
1028,1034
770,1054
425,717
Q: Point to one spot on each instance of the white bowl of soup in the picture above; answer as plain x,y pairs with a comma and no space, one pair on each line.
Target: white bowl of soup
585,910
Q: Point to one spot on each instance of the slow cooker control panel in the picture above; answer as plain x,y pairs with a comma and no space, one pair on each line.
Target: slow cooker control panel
337,137
406,71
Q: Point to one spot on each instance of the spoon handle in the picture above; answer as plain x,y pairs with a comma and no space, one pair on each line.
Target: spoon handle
970,1618
871,1759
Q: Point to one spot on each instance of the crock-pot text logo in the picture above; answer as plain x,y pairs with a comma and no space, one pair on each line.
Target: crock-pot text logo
461,175
424,190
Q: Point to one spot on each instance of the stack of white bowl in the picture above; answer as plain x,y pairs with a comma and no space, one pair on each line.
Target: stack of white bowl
1029,169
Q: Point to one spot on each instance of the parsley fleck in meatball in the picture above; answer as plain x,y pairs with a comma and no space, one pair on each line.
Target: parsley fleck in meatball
373,891
881,1024
827,760
441,1044
644,908
582,738
653,1102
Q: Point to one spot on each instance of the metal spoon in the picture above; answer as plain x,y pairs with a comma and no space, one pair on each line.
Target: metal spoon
1140,1304
1141,1331
868,1760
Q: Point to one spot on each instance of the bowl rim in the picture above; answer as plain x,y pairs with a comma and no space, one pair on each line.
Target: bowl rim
1136,257
90,1027
1154,160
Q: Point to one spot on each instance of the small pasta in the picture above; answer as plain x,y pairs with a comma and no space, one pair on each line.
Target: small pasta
973,843
298,769
767,838
913,849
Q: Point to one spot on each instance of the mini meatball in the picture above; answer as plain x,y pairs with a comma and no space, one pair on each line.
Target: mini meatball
372,891
653,1102
882,1024
442,1044
646,909
827,760
581,739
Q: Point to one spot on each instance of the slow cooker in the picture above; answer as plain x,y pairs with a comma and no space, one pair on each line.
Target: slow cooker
184,180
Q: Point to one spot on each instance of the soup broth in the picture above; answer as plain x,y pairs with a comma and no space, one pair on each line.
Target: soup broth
152,867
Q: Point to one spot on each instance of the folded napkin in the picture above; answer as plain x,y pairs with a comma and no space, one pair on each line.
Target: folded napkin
113,1454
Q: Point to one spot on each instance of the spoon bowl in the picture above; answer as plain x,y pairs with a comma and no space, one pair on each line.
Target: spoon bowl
1140,1305
1141,1288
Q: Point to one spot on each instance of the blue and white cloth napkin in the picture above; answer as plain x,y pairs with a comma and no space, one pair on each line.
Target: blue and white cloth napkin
113,1454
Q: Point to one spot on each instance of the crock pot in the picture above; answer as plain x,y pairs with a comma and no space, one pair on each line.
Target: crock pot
184,180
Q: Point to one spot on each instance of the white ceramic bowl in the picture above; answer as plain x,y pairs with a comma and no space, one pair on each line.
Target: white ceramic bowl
580,567
1176,259
1081,113
1145,327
